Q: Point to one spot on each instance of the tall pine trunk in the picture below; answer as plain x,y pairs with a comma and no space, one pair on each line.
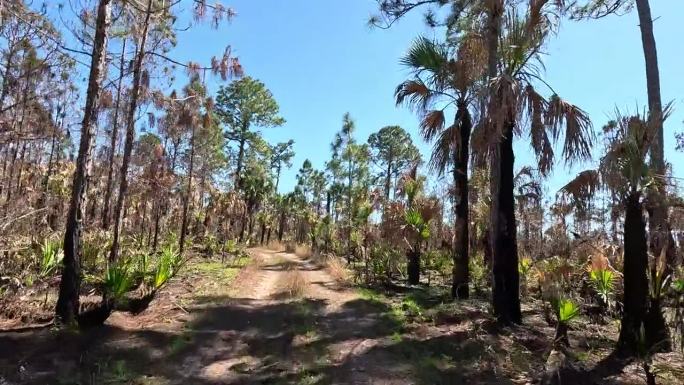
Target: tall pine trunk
112,143
130,134
241,154
188,194
70,284
459,287
660,234
388,179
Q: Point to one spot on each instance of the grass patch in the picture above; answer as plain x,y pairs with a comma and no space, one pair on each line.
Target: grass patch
179,343
304,320
293,284
393,317
276,246
212,277
303,251
338,270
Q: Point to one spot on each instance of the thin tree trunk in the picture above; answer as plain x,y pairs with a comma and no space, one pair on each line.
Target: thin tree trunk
241,154
46,179
188,193
22,157
112,143
281,226
157,217
242,228
388,179
349,210
70,284
459,287
251,227
263,232
660,234
130,134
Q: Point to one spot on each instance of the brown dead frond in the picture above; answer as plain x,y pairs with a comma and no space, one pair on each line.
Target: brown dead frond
541,144
578,128
503,108
443,149
432,124
579,191
413,92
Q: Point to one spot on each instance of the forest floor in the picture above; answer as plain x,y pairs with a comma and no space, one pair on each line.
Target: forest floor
281,319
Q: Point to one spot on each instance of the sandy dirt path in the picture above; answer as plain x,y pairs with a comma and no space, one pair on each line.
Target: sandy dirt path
317,338
200,331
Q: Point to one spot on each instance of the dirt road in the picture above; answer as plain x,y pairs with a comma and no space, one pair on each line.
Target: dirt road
251,333
262,336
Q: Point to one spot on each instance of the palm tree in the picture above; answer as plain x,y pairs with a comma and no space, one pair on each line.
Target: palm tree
513,99
447,75
623,169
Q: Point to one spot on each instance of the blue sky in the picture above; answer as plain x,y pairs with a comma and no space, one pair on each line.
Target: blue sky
320,60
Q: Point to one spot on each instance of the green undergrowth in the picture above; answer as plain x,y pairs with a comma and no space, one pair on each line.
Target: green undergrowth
423,305
212,277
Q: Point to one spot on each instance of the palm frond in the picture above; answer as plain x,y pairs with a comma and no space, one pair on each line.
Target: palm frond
448,140
426,55
541,144
432,123
418,93
579,134
579,191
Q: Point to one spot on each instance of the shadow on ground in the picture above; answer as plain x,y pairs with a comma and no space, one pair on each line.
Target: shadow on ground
248,341
244,341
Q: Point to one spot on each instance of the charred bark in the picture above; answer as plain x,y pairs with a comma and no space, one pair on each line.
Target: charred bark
635,301
130,134
67,307
459,286
413,267
505,275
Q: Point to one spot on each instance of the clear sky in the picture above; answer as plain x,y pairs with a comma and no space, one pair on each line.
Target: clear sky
320,60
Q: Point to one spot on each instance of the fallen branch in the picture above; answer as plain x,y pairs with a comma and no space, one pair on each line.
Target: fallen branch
30,213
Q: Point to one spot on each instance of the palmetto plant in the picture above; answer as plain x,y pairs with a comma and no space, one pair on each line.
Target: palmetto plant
118,280
515,107
604,282
167,267
417,224
566,310
625,171
524,267
51,256
602,278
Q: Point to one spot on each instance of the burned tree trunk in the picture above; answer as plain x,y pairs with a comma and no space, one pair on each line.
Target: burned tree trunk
70,285
635,279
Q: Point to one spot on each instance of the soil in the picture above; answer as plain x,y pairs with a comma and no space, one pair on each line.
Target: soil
221,323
